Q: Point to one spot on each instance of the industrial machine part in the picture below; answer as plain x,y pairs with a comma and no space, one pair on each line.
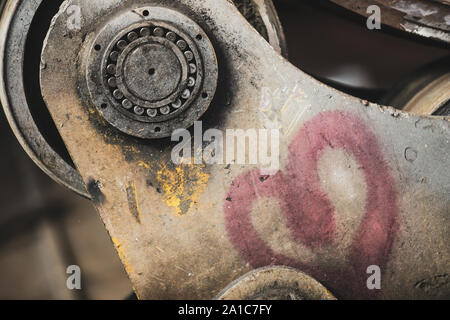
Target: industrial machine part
127,61
353,191
22,99
275,283
426,93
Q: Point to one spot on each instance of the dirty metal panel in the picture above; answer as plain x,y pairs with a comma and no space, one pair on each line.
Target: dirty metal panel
358,185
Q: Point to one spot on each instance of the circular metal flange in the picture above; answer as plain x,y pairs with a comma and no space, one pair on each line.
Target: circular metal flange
149,77
275,283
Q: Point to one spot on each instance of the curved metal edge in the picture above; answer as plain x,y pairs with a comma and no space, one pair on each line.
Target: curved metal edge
9,9
236,289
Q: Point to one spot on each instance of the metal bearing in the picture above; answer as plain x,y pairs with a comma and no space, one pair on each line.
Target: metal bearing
152,75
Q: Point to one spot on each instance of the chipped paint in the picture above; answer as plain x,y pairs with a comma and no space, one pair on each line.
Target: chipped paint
121,253
182,186
133,202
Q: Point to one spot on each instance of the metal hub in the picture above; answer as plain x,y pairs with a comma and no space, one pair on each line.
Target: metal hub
153,74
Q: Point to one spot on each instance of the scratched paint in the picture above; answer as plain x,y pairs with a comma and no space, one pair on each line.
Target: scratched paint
307,210
182,186
133,202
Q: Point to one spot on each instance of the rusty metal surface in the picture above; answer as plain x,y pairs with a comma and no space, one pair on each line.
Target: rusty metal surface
20,106
359,184
429,19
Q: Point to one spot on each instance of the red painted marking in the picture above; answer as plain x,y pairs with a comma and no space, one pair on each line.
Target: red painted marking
310,214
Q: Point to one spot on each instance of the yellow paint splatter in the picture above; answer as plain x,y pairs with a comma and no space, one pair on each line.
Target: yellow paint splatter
182,186
143,164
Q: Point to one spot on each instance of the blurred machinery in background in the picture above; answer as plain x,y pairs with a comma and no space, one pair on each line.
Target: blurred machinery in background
44,228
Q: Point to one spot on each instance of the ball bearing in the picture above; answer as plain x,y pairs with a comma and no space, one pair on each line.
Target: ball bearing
152,73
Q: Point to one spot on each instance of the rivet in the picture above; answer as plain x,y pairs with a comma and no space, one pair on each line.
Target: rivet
145,32
132,36
191,82
189,55
152,113
171,36
118,94
114,56
111,69
192,68
177,104
165,110
159,32
127,104
139,111
186,94
112,82
122,44
182,44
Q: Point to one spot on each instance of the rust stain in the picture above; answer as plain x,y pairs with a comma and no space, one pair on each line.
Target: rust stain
182,186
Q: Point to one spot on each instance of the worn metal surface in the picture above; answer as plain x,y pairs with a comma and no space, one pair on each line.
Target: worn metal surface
429,19
17,22
359,184
275,283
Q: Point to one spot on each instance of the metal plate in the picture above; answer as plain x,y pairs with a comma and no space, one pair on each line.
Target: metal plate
358,185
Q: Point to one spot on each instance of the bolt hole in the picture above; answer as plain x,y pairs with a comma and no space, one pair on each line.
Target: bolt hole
157,129
199,37
97,47
151,71
204,95
104,106
145,13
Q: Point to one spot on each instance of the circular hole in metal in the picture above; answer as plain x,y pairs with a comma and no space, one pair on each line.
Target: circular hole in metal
104,106
157,129
97,47
199,37
145,13
151,71
204,95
